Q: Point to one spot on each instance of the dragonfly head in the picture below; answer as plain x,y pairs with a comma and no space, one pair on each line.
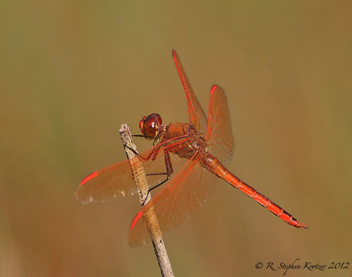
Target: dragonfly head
150,126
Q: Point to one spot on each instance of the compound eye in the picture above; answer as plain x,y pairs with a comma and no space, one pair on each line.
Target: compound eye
150,125
141,124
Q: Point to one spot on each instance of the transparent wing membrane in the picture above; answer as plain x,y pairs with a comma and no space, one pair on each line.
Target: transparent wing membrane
178,201
116,181
219,130
196,113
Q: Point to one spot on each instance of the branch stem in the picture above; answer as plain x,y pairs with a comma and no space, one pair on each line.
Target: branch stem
150,218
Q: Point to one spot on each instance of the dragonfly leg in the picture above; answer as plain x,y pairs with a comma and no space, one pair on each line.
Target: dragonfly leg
169,171
152,156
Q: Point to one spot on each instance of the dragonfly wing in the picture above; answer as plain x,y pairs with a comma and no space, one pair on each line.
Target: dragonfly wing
178,201
106,184
219,132
196,113
116,181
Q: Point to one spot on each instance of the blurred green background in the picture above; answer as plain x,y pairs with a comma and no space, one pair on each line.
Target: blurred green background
72,71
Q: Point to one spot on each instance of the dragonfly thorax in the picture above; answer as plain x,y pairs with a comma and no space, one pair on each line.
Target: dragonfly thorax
198,143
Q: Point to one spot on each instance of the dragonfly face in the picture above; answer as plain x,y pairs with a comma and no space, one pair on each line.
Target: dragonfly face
150,126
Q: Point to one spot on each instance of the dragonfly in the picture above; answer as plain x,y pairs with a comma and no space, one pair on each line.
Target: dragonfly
189,157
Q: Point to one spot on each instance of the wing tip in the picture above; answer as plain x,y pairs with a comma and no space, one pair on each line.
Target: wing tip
134,239
213,88
175,57
89,177
135,220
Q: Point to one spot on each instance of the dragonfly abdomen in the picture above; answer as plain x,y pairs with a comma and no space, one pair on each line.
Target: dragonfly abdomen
214,165
263,201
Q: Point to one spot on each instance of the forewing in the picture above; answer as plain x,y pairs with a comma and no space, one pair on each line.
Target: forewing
196,113
219,131
116,181
178,201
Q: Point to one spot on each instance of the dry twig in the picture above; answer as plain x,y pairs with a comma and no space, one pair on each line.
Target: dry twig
150,217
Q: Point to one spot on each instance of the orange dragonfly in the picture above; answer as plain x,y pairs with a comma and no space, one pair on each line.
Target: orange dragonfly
200,149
